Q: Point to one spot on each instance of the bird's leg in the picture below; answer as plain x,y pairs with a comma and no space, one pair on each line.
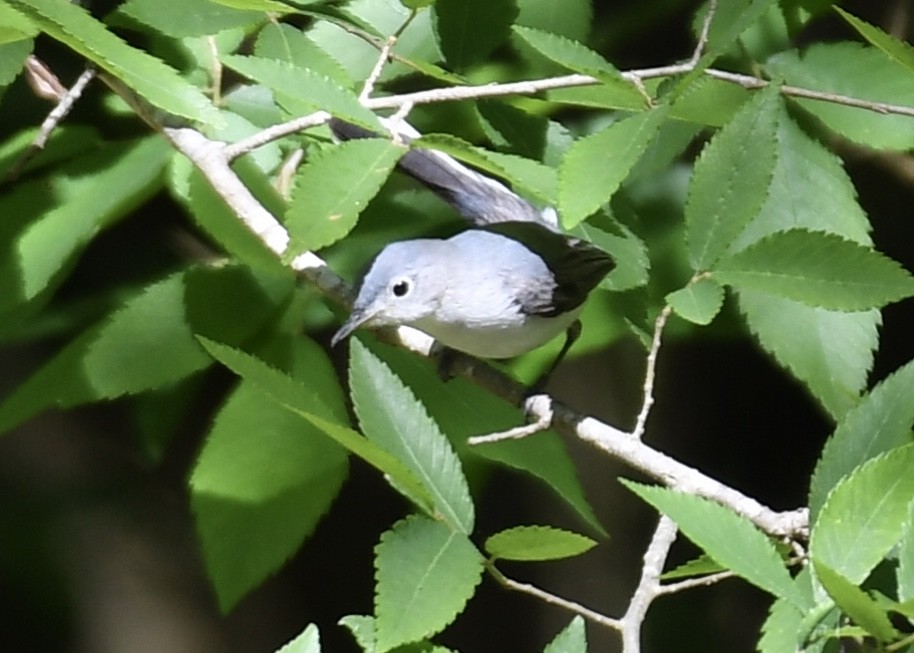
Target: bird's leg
446,359
571,335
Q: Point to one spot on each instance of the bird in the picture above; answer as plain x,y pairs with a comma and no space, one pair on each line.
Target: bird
506,285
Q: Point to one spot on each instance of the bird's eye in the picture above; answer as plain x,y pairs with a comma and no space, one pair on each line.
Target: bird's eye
400,287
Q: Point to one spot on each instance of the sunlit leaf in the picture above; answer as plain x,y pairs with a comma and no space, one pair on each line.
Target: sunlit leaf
425,574
469,30
698,302
537,543
391,416
731,179
847,68
818,269
596,165
864,515
333,188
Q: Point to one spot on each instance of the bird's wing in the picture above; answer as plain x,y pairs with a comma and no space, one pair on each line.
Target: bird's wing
576,265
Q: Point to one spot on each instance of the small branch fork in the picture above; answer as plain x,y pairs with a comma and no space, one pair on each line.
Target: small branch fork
46,85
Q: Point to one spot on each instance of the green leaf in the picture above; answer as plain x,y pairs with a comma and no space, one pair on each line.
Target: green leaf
181,18
264,479
309,641
218,220
573,639
159,84
728,538
732,19
596,165
362,628
700,566
881,421
526,175
258,5
149,342
308,404
731,179
14,26
425,574
574,56
809,189
307,88
905,571
468,31
463,409
50,221
709,101
513,128
864,515
392,417
265,476
415,45
536,543
818,269
830,351
698,302
848,69
855,603
571,18
781,630
283,42
898,51
333,188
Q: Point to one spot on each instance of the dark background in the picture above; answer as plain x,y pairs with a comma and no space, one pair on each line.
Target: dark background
97,548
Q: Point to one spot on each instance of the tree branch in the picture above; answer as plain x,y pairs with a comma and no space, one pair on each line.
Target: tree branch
649,586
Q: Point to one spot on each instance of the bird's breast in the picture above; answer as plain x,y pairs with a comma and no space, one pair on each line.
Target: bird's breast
506,336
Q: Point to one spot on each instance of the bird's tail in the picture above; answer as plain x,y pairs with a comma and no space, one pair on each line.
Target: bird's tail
479,199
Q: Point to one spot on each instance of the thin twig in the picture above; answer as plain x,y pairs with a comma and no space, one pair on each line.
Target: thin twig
703,36
540,405
283,182
649,584
54,118
650,373
552,599
368,86
215,70
533,87
275,132
691,583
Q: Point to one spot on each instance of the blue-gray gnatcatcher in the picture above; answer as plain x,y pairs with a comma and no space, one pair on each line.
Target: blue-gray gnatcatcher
506,286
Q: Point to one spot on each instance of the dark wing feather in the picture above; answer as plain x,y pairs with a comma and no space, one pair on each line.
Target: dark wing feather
576,265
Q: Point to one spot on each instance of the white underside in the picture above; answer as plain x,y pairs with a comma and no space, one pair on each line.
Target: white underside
503,341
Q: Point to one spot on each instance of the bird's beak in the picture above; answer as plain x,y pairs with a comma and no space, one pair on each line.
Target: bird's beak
356,319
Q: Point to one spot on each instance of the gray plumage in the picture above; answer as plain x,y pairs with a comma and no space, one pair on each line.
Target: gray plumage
498,290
